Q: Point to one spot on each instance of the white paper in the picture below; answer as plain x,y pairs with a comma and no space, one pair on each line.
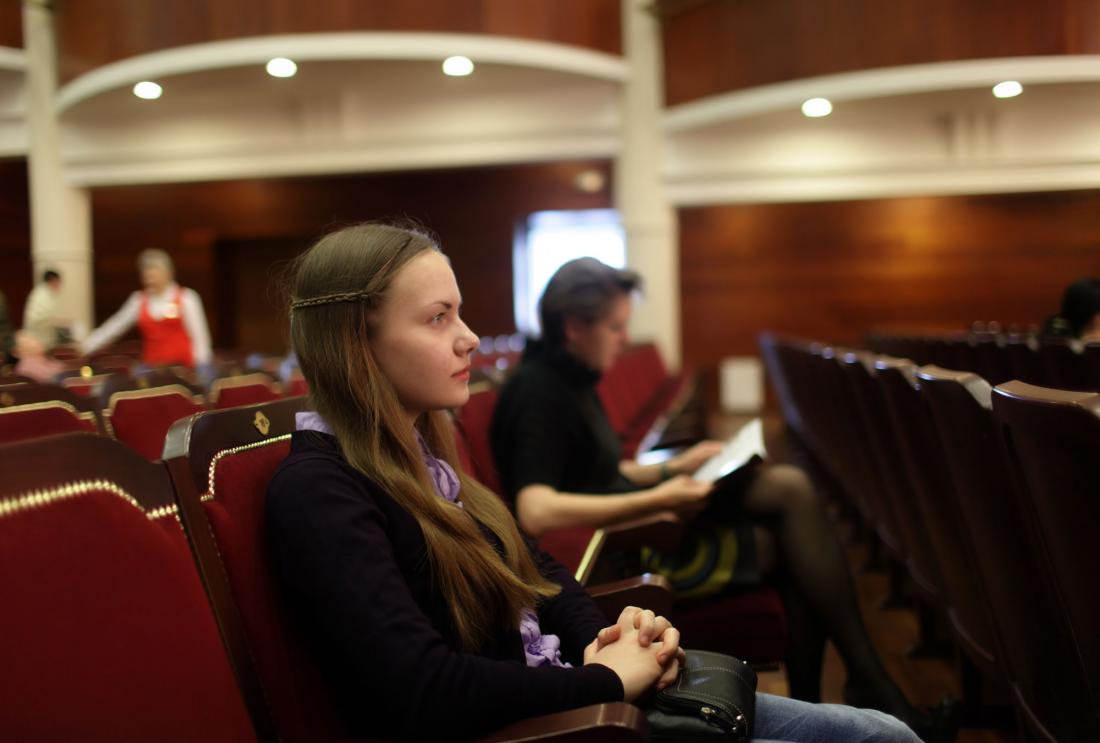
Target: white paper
738,451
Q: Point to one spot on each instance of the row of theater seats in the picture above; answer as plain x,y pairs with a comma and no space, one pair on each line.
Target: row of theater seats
135,410
1060,363
750,625
989,497
139,604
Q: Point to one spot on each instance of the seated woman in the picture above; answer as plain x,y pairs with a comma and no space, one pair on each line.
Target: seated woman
562,463
430,615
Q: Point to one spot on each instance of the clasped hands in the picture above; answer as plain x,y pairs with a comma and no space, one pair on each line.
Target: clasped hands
642,648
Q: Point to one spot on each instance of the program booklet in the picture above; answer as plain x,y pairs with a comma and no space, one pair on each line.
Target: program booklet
745,447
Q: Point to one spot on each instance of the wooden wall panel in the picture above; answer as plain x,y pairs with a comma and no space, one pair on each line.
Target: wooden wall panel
15,237
832,271
724,45
11,23
92,33
210,228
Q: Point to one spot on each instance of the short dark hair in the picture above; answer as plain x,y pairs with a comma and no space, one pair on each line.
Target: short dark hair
1080,304
51,275
582,288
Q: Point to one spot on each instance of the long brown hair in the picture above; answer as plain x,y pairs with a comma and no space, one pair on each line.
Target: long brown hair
338,285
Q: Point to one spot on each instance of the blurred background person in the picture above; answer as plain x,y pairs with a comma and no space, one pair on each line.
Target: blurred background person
1080,314
33,361
40,313
169,317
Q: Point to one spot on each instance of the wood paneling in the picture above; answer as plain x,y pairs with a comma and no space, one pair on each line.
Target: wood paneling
831,271
11,23
724,45
229,239
15,237
92,33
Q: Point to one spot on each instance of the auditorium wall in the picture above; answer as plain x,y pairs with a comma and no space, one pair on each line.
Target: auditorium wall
15,236
832,270
231,239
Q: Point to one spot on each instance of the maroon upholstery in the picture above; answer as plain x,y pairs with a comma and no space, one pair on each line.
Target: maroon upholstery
106,632
636,391
1053,437
568,546
141,418
474,420
296,387
22,422
751,626
1015,585
247,389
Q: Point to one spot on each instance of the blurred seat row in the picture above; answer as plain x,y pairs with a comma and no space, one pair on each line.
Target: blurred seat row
985,502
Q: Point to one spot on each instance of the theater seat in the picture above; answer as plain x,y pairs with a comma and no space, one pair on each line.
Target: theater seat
105,632
31,410
141,418
221,463
243,389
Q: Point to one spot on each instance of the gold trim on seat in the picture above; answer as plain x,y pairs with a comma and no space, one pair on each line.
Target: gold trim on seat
209,494
82,415
46,496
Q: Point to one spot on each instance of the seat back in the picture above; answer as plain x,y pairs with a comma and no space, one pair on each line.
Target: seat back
1066,366
243,389
141,418
222,462
106,631
32,410
937,502
1019,596
1053,437
474,420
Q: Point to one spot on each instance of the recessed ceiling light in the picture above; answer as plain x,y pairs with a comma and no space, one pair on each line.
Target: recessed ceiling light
281,67
817,107
457,66
150,91
1008,89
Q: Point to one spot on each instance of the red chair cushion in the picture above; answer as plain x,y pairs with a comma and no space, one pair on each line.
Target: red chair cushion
106,632
250,394
24,422
142,422
567,546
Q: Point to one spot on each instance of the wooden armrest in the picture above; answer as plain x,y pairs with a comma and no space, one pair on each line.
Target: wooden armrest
616,722
661,531
648,591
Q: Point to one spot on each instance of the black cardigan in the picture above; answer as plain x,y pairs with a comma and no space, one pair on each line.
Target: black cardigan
549,428
353,570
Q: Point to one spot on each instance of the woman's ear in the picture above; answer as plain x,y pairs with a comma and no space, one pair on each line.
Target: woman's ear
572,329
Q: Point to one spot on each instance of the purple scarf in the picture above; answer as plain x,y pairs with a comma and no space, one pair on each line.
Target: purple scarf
539,649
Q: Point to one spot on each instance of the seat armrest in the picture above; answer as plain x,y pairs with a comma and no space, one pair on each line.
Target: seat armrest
662,532
648,591
615,722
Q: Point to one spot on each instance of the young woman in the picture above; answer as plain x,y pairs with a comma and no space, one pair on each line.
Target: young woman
430,615
562,463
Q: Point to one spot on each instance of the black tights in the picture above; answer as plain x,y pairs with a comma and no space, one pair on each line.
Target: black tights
811,574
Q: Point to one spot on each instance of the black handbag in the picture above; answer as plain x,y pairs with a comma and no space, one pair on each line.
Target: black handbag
714,699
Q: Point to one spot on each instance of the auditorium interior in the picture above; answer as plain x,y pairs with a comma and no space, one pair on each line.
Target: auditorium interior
870,226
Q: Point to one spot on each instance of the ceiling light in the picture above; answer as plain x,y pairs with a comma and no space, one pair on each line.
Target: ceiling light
457,66
150,91
817,107
1008,89
281,67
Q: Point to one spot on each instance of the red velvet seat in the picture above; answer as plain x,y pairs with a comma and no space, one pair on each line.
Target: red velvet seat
106,632
474,420
141,418
1053,437
244,389
32,410
221,462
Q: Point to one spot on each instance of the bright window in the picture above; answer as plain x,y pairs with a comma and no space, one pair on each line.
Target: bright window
550,239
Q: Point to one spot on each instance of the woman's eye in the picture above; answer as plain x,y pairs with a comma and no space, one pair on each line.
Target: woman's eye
436,320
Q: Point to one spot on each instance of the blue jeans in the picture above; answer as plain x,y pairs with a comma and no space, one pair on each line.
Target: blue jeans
782,719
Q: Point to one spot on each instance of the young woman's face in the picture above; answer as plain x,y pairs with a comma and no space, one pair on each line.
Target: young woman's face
155,277
420,342
598,344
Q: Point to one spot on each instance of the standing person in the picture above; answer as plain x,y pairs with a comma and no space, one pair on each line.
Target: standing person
561,463
430,615
170,318
40,313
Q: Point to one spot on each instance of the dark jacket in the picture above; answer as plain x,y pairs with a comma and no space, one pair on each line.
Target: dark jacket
353,567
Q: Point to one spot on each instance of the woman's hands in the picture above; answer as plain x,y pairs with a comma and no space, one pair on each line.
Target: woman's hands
642,648
681,494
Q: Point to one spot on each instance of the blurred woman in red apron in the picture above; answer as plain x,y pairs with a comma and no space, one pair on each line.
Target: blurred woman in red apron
170,318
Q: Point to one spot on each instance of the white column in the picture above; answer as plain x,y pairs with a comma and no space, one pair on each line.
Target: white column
61,218
648,218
